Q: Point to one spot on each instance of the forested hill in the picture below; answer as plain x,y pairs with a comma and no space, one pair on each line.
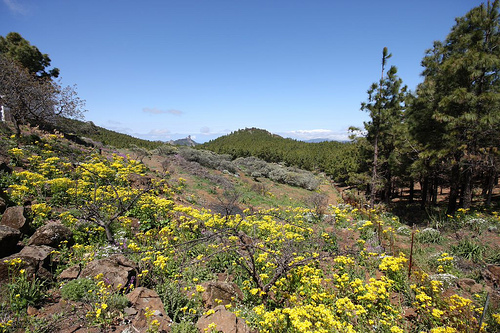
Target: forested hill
107,137
338,159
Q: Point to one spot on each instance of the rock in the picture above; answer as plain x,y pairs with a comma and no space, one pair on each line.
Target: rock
6,268
76,323
51,234
130,311
492,274
225,321
470,285
40,253
3,204
138,181
4,164
8,240
117,270
31,311
476,288
31,263
15,217
220,293
70,273
466,283
142,300
404,230
410,313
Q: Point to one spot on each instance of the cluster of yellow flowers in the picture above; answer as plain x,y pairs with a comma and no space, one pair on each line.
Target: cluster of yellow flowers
393,264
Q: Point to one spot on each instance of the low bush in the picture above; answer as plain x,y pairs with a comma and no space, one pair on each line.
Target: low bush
428,236
78,290
470,250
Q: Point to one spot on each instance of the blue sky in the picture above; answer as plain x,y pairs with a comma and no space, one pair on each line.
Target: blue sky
163,70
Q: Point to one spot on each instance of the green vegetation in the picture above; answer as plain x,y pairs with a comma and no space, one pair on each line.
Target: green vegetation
15,47
29,92
104,136
446,134
337,159
78,289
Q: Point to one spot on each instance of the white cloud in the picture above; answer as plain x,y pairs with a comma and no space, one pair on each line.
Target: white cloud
158,111
159,131
16,7
205,130
316,134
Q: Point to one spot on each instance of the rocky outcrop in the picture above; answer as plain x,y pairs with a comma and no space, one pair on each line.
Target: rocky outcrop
470,285
117,270
34,260
492,275
220,293
51,234
71,273
41,253
8,240
15,217
145,300
224,321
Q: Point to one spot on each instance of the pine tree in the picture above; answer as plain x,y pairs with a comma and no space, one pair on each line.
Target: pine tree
458,104
385,106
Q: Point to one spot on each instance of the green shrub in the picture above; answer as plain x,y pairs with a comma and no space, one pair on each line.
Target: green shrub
177,304
78,290
24,291
184,327
493,256
470,250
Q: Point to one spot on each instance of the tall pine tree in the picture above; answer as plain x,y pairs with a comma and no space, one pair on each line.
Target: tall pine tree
457,111
385,105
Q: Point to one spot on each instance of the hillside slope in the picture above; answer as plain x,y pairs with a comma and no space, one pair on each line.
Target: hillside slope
95,241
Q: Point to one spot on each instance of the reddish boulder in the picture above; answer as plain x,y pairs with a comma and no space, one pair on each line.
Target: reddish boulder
220,293
15,217
224,320
117,270
146,300
51,234
492,275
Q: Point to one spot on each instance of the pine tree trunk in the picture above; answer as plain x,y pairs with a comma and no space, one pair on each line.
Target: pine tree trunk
489,191
388,188
434,190
466,195
373,187
412,191
454,189
425,189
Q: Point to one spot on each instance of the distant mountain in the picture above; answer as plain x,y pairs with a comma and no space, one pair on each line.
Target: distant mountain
324,140
318,140
184,142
